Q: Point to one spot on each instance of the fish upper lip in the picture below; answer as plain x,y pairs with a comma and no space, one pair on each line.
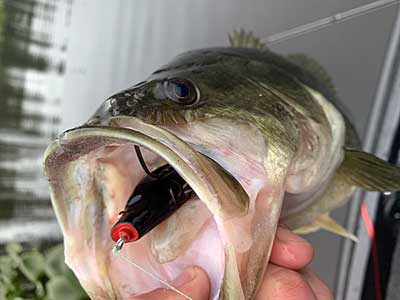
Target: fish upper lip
187,161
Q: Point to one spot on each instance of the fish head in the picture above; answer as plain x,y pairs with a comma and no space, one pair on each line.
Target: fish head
197,85
187,115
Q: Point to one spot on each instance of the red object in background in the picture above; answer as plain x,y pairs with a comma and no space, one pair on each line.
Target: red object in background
371,232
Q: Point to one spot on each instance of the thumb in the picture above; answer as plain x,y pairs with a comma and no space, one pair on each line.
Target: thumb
193,282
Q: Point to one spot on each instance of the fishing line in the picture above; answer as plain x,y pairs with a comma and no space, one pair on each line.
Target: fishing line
143,163
164,172
117,252
325,22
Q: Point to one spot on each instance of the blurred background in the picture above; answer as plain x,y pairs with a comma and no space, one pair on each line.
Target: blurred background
59,59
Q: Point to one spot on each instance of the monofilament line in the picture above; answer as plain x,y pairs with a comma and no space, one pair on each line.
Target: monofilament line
324,22
154,276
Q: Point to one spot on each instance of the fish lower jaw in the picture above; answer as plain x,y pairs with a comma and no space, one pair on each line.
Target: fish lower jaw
94,186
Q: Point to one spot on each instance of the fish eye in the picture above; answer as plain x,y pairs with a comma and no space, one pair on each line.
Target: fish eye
181,91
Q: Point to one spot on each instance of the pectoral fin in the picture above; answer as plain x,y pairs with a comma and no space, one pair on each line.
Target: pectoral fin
324,221
369,172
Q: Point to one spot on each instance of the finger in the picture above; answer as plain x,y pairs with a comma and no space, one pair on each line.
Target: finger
193,282
284,284
290,250
320,289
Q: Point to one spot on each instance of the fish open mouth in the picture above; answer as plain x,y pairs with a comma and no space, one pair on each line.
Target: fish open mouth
93,171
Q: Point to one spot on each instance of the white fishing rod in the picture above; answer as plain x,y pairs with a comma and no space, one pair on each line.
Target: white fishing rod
327,21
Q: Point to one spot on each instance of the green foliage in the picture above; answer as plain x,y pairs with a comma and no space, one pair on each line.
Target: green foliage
37,276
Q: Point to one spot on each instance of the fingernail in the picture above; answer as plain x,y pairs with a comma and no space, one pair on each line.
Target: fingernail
185,277
286,235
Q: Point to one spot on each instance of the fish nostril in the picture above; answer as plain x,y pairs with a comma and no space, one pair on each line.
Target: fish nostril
115,112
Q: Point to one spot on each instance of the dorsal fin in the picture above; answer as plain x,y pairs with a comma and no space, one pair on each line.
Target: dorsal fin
313,67
245,39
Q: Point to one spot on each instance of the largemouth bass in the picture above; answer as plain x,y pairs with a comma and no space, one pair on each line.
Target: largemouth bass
258,138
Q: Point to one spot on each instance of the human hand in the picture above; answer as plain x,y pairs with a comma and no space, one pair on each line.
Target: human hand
287,276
